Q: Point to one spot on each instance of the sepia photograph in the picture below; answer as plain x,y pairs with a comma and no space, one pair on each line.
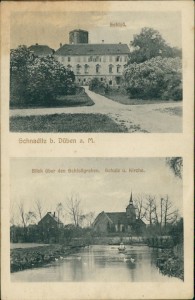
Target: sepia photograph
96,220
98,71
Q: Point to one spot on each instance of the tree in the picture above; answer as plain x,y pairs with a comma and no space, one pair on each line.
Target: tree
59,209
30,218
39,209
150,209
176,165
35,79
169,212
157,78
139,205
148,44
74,209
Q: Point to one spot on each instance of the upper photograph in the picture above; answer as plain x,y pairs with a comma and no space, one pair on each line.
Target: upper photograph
113,72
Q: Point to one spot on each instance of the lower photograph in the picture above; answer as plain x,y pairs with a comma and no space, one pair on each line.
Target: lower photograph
96,219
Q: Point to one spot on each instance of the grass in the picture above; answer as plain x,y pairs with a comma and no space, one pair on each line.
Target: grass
65,123
174,111
61,101
124,99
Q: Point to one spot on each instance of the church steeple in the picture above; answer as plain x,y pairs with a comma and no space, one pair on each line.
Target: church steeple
131,199
130,211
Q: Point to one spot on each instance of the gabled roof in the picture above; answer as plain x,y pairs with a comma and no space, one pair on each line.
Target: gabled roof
42,50
56,219
116,217
92,49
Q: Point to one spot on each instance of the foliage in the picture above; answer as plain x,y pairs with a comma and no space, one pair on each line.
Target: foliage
176,165
97,86
65,123
148,44
157,78
33,78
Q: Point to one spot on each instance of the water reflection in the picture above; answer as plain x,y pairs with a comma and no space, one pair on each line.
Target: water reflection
100,263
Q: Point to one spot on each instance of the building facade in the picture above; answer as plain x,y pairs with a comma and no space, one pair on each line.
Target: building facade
108,222
103,61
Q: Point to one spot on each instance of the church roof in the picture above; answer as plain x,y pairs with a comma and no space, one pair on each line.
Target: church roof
92,49
116,217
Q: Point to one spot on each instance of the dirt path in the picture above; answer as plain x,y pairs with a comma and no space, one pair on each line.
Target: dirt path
155,118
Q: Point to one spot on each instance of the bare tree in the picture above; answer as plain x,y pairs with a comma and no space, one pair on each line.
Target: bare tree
30,218
59,209
22,214
87,219
150,208
139,205
38,206
74,209
90,217
169,212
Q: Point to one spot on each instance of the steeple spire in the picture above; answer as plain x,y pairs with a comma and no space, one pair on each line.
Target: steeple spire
131,199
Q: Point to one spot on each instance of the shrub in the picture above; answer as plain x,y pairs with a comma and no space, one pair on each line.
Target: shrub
97,86
34,79
157,78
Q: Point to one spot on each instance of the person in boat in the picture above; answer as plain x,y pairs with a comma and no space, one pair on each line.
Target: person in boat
121,247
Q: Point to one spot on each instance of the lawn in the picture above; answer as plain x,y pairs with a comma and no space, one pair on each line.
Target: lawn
65,123
173,111
124,99
81,99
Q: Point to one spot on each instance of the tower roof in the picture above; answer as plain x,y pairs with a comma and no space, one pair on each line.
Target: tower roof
131,199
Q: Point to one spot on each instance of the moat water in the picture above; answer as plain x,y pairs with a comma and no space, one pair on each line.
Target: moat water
100,263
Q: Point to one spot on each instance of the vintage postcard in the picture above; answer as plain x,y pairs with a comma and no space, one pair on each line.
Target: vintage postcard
92,206
96,71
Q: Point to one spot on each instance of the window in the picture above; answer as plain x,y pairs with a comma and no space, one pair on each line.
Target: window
69,58
69,67
90,58
118,58
110,82
118,68
78,69
102,79
86,68
110,68
125,59
97,68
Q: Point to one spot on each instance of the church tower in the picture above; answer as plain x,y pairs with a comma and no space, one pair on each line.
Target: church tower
130,212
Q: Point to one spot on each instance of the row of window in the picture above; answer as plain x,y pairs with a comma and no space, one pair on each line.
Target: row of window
96,58
97,68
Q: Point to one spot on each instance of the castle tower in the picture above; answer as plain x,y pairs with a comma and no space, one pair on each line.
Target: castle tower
78,36
130,211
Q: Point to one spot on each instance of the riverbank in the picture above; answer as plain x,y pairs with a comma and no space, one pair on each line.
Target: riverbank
170,265
28,258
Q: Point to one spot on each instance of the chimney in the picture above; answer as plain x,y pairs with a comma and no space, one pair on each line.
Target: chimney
102,41
54,214
60,45
36,44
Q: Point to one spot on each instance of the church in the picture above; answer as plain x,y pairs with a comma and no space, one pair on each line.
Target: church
126,222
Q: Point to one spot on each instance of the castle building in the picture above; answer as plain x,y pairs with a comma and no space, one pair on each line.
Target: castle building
107,222
104,61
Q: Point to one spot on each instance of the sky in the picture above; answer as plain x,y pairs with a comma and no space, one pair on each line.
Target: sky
98,191
52,28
